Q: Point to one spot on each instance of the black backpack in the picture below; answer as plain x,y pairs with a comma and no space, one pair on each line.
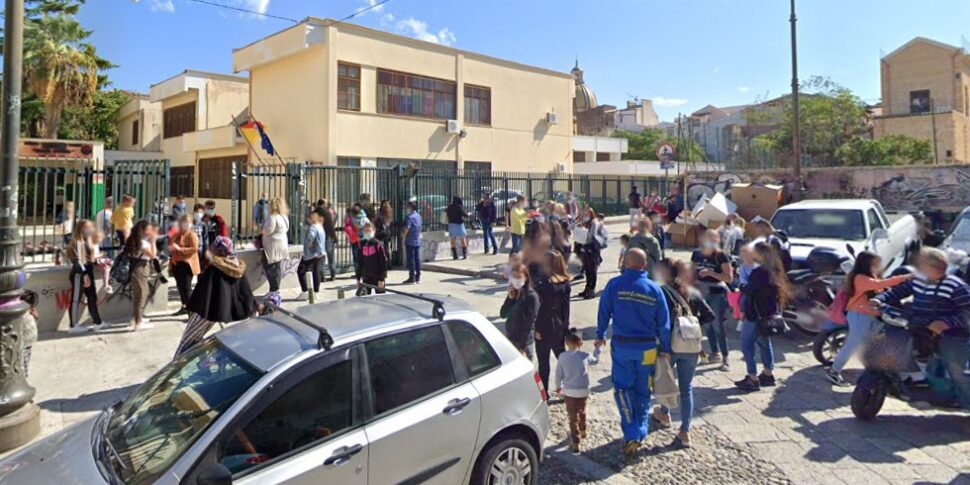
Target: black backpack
121,268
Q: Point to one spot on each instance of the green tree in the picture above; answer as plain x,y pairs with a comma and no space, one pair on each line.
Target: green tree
99,121
643,145
61,68
889,150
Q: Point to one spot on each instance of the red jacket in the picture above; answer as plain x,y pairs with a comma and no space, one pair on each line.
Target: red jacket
351,230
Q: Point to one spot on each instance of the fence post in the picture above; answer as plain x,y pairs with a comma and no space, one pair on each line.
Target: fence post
234,213
296,186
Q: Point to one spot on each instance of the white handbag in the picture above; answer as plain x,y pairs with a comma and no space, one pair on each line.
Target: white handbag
686,336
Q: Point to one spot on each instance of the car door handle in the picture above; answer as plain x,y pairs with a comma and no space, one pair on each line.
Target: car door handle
342,455
456,405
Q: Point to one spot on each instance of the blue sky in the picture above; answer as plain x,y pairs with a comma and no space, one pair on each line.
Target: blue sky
683,54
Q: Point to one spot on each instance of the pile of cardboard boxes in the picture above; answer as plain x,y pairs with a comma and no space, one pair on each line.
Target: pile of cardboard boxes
748,201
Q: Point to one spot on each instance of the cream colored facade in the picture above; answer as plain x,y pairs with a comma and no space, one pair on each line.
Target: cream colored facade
926,95
143,116
293,91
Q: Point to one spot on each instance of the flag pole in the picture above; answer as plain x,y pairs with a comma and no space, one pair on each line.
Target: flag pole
249,145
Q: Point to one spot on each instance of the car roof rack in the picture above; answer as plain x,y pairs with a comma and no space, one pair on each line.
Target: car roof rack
325,340
437,308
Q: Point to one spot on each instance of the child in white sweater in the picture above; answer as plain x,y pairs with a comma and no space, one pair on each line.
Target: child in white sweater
572,382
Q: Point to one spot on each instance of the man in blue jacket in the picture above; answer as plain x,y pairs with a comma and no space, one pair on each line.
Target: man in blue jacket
641,324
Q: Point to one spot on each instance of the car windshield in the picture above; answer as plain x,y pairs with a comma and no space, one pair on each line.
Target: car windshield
846,225
153,427
961,229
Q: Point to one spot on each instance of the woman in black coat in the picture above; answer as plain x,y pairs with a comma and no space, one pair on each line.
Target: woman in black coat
222,294
552,286
520,310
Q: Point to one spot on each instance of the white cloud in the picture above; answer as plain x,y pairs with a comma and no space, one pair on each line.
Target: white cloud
743,89
716,70
260,6
162,6
669,102
419,30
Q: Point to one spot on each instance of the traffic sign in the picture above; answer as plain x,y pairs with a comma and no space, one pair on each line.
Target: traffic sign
666,164
665,152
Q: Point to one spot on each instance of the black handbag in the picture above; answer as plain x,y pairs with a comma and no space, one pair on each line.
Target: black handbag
771,326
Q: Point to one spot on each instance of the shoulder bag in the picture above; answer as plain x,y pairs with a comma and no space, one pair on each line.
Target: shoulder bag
686,335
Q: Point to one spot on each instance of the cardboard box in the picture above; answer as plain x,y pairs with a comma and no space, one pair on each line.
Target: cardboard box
683,234
713,211
756,199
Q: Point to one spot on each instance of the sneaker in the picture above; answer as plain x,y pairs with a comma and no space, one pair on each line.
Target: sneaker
630,448
79,329
725,365
682,441
145,320
145,325
766,380
109,289
835,377
713,358
409,281
99,327
659,423
702,358
748,384
182,311
575,447
303,296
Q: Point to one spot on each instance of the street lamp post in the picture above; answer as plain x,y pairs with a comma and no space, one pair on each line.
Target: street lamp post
796,131
19,418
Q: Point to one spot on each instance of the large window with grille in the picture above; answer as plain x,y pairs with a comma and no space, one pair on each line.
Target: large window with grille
183,181
348,86
217,182
178,120
404,94
478,105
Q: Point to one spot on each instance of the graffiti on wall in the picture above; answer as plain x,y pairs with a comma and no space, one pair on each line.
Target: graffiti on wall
707,184
939,190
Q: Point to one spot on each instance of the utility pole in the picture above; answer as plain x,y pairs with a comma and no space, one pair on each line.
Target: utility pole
19,418
796,131
936,155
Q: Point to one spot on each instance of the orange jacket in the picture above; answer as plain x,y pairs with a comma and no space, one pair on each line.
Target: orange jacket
862,285
189,252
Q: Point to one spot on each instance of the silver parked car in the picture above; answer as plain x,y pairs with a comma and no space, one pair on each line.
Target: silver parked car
386,389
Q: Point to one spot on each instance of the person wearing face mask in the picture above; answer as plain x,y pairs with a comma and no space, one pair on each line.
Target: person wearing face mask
201,229
658,228
81,254
373,260
645,241
941,304
520,310
638,311
714,274
222,294
217,225
178,207
184,262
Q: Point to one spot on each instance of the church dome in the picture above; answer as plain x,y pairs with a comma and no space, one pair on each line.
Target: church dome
584,98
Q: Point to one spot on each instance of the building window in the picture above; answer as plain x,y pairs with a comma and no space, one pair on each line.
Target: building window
579,156
410,95
478,105
348,86
134,133
919,101
183,181
178,120
348,162
602,157
424,165
217,183
478,167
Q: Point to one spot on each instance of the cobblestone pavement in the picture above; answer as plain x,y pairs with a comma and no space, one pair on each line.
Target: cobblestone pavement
801,431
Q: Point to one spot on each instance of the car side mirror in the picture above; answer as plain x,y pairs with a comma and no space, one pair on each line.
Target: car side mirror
215,474
877,237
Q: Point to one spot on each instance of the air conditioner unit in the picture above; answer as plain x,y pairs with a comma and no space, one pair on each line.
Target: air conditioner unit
552,118
454,127
561,167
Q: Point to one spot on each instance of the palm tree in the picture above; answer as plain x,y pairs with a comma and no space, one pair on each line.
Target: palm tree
61,68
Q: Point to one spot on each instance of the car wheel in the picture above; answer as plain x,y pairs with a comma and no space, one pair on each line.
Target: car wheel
827,345
869,395
511,461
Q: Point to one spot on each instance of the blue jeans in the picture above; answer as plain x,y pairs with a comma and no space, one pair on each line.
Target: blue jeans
414,261
684,366
860,328
355,253
488,233
750,339
955,351
331,261
633,364
516,243
716,333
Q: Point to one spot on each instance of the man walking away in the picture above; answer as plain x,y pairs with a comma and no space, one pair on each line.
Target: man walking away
635,204
412,243
641,323
645,241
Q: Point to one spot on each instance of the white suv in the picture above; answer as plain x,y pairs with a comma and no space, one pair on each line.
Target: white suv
375,390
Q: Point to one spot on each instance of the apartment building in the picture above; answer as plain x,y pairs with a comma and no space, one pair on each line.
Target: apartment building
926,95
341,94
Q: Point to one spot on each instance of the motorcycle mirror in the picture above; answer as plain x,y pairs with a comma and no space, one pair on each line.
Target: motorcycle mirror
850,249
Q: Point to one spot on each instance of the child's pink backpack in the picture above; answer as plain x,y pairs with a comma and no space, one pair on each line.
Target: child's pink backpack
837,308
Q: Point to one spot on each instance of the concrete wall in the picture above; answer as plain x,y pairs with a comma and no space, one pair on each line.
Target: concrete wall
932,188
149,116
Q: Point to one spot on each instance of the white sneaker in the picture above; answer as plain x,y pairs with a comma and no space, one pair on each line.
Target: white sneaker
145,320
99,327
144,325
304,296
79,329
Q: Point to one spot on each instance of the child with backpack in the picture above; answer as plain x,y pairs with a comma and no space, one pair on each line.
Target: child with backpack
861,285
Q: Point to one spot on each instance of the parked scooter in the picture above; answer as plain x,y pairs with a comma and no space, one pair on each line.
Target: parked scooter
814,288
891,352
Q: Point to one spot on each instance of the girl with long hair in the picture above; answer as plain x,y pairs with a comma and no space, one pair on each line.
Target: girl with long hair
520,310
140,248
763,298
552,286
82,254
592,247
184,263
861,285
677,280
275,241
